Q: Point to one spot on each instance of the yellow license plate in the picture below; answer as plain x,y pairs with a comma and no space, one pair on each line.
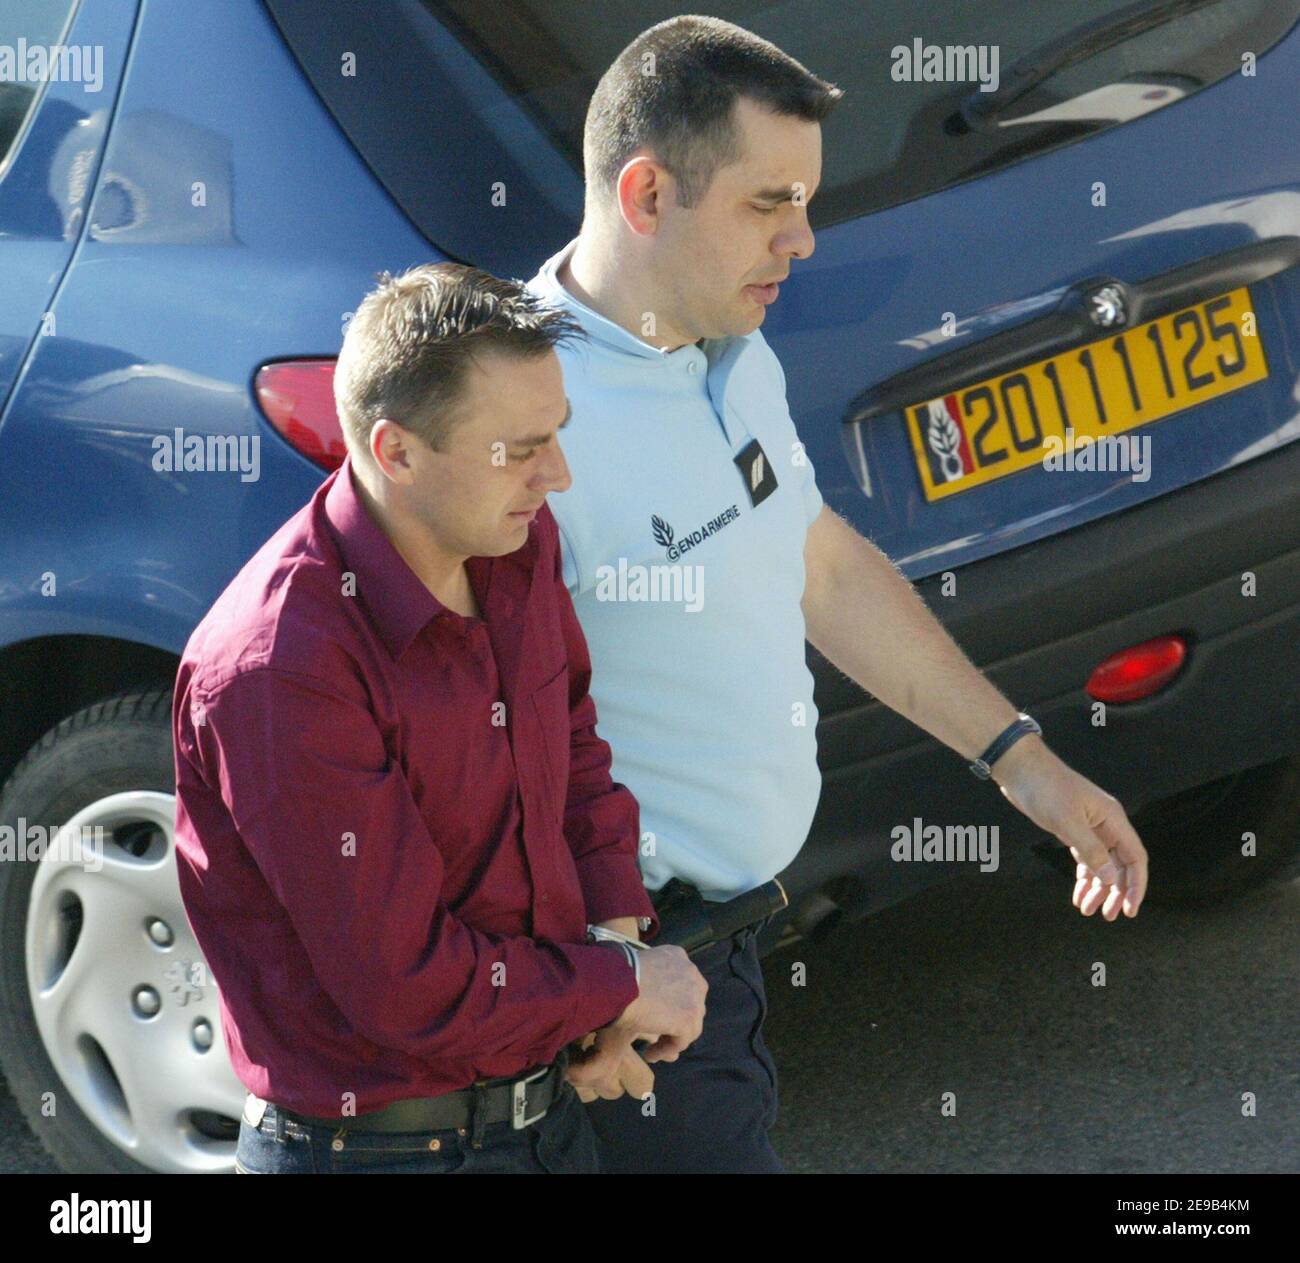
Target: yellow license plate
1143,374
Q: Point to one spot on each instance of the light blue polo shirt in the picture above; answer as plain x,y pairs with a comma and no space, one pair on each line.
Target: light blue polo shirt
689,594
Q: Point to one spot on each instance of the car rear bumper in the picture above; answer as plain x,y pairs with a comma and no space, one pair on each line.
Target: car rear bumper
1037,620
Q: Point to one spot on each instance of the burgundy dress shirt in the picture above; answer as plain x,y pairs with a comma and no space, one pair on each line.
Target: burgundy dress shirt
393,822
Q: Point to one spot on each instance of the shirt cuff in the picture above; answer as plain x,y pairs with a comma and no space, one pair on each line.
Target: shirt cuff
612,887
606,985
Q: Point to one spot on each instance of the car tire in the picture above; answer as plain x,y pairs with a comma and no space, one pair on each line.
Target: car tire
1194,838
110,1032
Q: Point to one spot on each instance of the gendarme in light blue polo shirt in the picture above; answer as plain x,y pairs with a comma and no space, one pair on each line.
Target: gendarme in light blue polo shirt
689,593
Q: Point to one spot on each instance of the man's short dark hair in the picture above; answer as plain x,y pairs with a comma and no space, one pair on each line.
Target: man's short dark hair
408,346
673,89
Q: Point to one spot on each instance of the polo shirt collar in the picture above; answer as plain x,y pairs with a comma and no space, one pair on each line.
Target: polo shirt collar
392,593
598,327
718,357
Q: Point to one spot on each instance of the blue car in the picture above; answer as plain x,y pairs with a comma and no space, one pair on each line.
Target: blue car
1045,356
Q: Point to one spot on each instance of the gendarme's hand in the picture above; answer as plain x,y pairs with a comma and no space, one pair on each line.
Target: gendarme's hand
1111,862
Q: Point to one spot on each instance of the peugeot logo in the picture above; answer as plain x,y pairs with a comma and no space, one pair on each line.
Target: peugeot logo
1106,306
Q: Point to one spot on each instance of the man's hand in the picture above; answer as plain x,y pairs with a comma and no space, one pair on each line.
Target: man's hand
670,1008
1111,862
669,1011
604,1064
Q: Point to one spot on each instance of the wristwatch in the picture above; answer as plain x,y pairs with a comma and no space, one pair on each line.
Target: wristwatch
1023,726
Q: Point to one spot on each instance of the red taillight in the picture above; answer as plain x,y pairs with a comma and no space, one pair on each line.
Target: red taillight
1137,671
298,399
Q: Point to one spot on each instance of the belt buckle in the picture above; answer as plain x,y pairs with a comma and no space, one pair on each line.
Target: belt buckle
254,1109
519,1100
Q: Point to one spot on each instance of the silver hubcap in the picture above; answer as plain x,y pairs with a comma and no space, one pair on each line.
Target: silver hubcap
122,995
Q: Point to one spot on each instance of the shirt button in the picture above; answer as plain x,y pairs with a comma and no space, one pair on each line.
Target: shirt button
692,366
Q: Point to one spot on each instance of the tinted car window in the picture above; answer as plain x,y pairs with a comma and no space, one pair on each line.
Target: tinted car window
502,88
25,25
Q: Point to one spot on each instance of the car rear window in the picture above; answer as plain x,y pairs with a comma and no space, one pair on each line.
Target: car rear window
26,28
910,122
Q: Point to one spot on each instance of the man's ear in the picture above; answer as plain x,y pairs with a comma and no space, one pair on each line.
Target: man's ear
640,189
390,448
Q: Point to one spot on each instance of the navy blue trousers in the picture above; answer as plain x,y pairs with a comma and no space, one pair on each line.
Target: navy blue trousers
711,1108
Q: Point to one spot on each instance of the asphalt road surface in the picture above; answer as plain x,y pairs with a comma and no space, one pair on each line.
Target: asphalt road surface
983,989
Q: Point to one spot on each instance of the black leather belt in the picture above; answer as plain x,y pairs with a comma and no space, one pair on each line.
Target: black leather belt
520,1101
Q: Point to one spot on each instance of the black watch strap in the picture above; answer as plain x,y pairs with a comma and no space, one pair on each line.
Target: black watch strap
1023,725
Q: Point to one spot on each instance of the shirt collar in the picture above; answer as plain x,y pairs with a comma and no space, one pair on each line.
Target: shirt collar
719,356
392,593
599,328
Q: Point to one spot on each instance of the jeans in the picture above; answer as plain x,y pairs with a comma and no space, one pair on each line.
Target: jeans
713,1106
561,1143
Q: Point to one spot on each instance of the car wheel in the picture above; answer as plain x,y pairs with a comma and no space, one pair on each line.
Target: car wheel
110,1033
1195,838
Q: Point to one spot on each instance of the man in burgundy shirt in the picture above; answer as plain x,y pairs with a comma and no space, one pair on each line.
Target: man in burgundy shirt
395,819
